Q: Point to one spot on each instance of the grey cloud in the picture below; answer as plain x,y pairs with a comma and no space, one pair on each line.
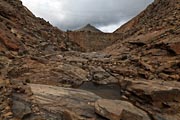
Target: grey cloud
72,14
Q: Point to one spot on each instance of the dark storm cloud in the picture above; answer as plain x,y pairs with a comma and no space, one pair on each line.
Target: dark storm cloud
72,14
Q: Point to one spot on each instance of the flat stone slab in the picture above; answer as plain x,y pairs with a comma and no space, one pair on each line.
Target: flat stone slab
65,101
119,110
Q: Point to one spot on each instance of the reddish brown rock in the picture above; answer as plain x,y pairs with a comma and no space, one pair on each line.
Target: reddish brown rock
175,47
12,45
2,48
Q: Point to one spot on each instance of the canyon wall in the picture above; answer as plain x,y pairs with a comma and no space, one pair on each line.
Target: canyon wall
92,41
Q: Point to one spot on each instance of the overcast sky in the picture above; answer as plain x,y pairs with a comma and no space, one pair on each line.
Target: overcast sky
107,15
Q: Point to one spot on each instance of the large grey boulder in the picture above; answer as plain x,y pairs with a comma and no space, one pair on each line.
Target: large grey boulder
65,102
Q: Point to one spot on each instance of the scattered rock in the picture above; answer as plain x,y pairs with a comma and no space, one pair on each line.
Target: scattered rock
7,115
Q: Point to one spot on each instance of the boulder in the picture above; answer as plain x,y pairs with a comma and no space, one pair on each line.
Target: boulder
158,96
20,109
66,102
69,115
101,76
153,91
119,110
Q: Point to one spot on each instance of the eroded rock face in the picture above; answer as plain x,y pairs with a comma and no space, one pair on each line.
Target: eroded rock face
162,96
93,41
65,101
158,91
119,110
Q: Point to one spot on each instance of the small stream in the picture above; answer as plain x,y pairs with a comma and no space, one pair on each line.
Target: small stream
109,91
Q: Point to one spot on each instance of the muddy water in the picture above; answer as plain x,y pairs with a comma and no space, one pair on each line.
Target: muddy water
110,91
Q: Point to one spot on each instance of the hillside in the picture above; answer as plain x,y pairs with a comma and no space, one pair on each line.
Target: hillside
22,32
160,15
149,49
45,75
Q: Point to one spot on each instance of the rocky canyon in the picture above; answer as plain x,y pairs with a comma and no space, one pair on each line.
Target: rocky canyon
49,74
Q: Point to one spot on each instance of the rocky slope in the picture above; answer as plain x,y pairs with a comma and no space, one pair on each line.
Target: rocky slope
160,15
149,53
41,69
146,48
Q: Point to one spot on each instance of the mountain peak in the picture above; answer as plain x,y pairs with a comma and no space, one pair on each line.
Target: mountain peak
89,28
89,25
